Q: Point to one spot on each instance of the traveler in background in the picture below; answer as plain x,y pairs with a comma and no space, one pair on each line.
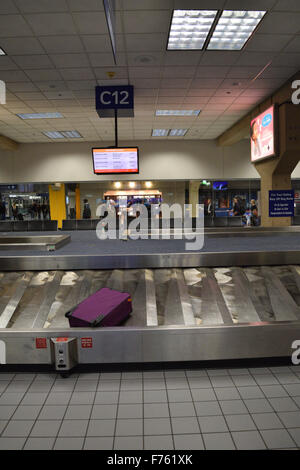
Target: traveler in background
254,213
86,210
15,211
236,208
2,210
208,209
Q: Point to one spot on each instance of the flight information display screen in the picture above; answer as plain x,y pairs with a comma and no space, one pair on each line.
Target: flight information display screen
123,160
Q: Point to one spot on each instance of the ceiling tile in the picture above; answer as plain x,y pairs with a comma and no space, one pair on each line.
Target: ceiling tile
175,83
281,23
33,6
144,72
70,60
206,82
20,46
46,24
99,43
294,45
43,75
145,60
120,73
268,42
86,5
33,61
287,59
151,21
13,76
290,5
220,58
61,44
243,72
279,72
107,59
146,42
81,84
14,25
19,87
77,74
7,64
249,4
7,7
255,58
179,72
182,57
212,72
91,22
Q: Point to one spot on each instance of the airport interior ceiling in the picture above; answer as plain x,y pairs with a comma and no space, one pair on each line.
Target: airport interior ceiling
54,53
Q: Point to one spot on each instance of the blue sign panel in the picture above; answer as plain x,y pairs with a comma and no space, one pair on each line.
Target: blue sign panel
281,203
111,98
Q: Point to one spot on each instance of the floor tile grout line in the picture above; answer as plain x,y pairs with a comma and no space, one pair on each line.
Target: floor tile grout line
61,422
10,419
197,418
42,406
91,412
117,413
168,403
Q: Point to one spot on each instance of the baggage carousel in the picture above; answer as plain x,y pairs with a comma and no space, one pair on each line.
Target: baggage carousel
237,298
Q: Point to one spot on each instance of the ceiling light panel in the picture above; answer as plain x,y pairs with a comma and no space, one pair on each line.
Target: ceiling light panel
71,134
189,29
177,132
53,135
177,112
234,29
2,52
160,132
40,115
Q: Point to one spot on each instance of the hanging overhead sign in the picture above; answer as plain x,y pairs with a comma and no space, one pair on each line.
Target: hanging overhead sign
114,98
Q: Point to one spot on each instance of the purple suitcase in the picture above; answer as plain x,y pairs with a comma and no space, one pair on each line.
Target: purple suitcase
107,307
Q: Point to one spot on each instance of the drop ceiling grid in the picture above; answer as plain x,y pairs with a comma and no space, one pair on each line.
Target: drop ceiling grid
189,75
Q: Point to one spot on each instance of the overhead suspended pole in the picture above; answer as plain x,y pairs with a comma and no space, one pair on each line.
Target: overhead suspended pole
116,128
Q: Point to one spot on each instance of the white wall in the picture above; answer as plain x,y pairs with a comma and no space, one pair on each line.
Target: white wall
161,159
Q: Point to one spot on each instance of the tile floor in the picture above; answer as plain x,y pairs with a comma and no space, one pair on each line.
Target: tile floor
255,408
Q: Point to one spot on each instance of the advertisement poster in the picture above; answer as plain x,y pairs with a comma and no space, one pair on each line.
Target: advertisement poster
262,135
281,203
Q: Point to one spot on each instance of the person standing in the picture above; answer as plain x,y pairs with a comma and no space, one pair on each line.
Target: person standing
86,209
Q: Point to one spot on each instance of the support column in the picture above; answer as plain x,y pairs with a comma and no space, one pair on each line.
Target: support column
77,202
276,172
57,201
194,195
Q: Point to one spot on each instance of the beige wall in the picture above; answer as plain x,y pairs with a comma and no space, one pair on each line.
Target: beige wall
180,160
159,160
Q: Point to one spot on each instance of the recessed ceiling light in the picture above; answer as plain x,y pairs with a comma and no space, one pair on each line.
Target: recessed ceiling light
2,52
189,28
71,134
40,116
177,132
177,112
53,135
160,132
234,29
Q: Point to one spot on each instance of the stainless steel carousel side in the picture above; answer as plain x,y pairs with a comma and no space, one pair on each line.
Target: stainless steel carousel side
192,314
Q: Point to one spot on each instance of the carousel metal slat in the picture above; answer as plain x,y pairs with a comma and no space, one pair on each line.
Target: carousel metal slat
52,288
216,294
21,286
151,305
283,305
186,305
